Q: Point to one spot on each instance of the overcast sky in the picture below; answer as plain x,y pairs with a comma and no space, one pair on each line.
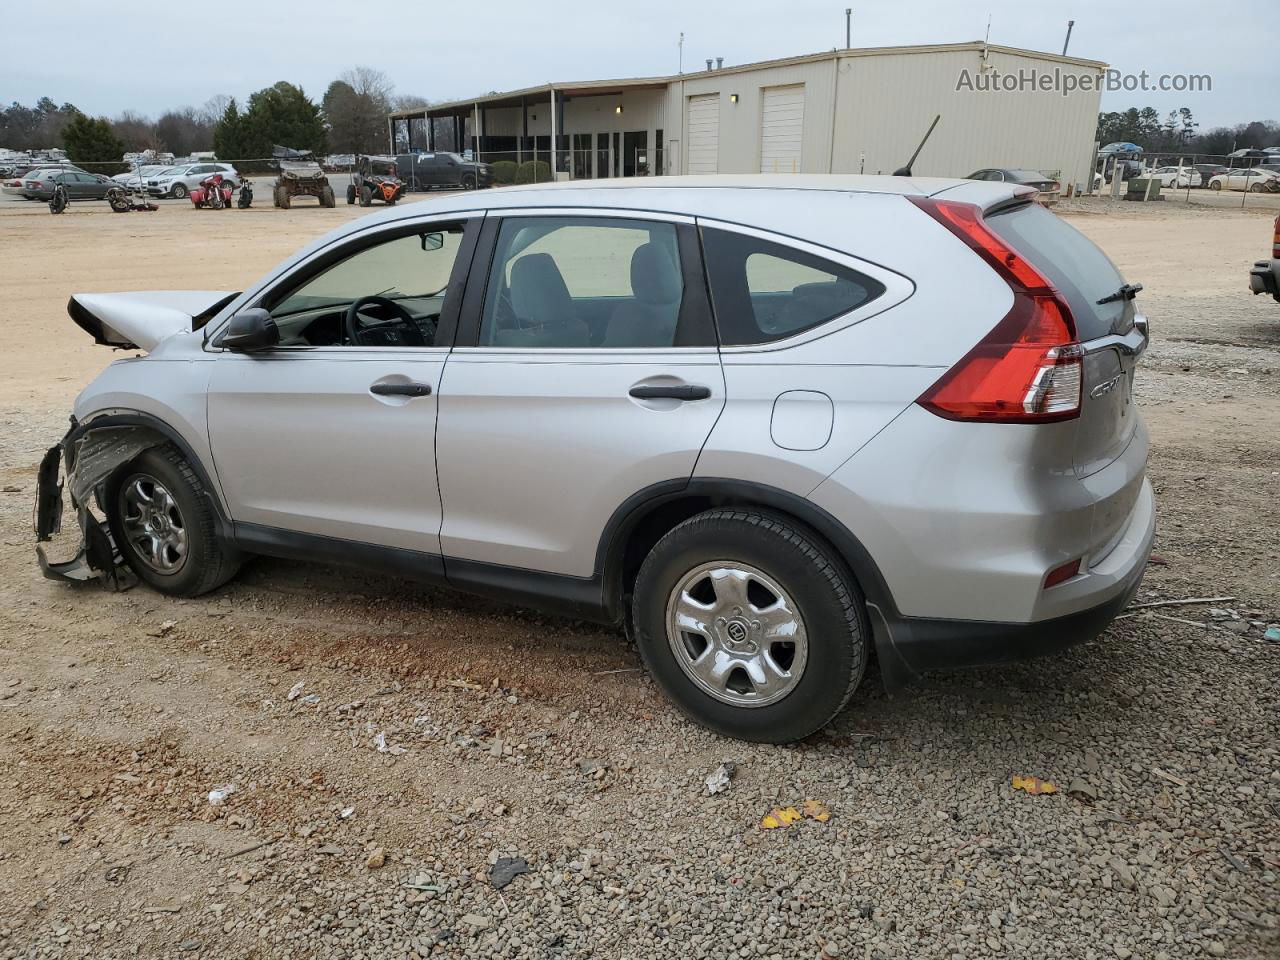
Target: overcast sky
446,50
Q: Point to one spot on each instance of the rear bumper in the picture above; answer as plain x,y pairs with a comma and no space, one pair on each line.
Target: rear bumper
915,645
1265,277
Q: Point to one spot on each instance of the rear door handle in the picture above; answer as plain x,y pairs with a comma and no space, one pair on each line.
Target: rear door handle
401,389
676,391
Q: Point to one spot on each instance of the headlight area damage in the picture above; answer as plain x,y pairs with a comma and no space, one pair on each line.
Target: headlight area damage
90,455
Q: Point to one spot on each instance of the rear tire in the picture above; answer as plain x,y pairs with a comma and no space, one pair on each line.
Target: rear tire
1215,186
162,519
796,646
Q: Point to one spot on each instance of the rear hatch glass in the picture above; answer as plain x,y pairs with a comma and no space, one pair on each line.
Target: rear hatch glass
1083,274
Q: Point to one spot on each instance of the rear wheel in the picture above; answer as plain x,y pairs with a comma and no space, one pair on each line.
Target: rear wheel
162,519
751,625
1216,185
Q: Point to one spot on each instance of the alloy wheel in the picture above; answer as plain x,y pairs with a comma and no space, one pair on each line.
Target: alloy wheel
737,634
153,524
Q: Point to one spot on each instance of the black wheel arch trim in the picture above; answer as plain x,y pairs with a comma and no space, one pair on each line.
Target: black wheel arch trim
136,418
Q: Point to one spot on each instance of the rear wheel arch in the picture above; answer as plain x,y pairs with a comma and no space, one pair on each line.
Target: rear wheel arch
645,517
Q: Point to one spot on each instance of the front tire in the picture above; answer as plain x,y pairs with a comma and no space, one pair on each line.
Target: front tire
179,191
351,194
468,182
327,198
162,520
366,197
751,624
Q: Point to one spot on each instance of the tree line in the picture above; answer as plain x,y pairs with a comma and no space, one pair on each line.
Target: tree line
1178,132
350,118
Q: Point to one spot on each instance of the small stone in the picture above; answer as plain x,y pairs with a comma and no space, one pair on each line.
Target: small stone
476,921
377,859
1215,949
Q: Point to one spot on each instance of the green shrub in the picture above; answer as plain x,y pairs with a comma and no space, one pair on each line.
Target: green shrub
534,171
504,171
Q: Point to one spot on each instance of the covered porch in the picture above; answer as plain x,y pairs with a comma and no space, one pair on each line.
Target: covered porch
581,131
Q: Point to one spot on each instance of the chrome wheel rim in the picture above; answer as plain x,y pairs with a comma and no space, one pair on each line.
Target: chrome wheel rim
737,634
153,524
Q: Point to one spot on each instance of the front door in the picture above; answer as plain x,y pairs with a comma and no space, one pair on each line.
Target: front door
332,433
589,373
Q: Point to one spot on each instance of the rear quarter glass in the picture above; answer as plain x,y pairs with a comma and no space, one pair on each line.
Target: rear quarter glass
1072,262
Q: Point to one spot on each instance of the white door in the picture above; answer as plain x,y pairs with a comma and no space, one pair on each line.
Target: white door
781,127
704,133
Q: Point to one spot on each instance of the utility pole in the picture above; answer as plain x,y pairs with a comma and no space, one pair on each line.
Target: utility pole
848,27
1070,24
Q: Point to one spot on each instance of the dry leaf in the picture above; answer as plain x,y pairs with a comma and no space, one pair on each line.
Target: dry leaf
1034,785
782,817
815,810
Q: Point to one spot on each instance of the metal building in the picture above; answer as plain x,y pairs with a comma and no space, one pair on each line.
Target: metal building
846,111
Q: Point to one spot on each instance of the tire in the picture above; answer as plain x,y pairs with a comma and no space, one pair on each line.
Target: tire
1256,188
327,199
791,566
179,191
281,198
468,182
192,560
366,197
351,194
1215,185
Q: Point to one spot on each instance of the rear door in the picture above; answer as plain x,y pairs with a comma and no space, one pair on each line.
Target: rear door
585,371
1106,324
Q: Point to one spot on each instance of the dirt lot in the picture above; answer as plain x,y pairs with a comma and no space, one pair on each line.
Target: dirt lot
527,736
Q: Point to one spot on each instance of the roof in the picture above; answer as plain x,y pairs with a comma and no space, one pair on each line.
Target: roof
594,87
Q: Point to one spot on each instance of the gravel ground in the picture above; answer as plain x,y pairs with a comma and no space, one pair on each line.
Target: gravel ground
393,749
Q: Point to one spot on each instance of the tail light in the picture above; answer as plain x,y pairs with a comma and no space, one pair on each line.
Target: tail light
1029,369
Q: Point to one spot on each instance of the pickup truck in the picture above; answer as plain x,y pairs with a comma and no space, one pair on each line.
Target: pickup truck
429,171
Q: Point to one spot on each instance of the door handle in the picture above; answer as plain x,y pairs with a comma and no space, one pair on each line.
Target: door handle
675,391
401,389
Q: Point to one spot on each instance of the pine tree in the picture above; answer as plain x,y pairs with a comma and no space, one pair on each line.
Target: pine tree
90,142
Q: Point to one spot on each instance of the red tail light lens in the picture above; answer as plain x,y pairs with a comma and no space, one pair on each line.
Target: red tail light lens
1061,574
1029,368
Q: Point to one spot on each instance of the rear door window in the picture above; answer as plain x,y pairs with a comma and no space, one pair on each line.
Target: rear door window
764,291
1072,262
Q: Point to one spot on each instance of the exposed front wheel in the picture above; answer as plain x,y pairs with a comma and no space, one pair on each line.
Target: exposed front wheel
162,520
327,198
366,197
179,191
351,193
468,182
751,625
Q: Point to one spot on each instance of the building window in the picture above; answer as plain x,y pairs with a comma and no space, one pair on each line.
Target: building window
659,165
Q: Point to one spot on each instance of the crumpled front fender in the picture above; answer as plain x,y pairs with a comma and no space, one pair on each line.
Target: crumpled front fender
90,458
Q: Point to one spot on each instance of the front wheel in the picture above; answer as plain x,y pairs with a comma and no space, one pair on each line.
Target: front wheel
468,182
327,198
179,191
162,520
351,194
751,624
366,197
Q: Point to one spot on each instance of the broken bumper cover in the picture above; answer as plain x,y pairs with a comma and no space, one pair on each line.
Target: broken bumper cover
90,456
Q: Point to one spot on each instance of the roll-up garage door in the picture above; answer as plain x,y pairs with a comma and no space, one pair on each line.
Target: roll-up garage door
781,127
704,133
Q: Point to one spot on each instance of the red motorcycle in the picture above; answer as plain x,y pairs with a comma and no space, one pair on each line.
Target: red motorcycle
214,192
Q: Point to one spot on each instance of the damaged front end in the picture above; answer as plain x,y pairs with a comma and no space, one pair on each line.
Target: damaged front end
90,456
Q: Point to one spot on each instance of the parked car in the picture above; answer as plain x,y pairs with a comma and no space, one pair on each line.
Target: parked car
38,184
765,473
1208,171
137,179
431,171
1265,275
14,186
180,180
1175,177
1029,178
1246,178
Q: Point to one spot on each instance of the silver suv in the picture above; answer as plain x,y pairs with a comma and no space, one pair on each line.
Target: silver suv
767,423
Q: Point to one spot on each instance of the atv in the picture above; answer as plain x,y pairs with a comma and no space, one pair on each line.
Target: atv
302,178
374,178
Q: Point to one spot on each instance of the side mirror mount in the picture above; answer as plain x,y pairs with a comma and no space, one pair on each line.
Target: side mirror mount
251,330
